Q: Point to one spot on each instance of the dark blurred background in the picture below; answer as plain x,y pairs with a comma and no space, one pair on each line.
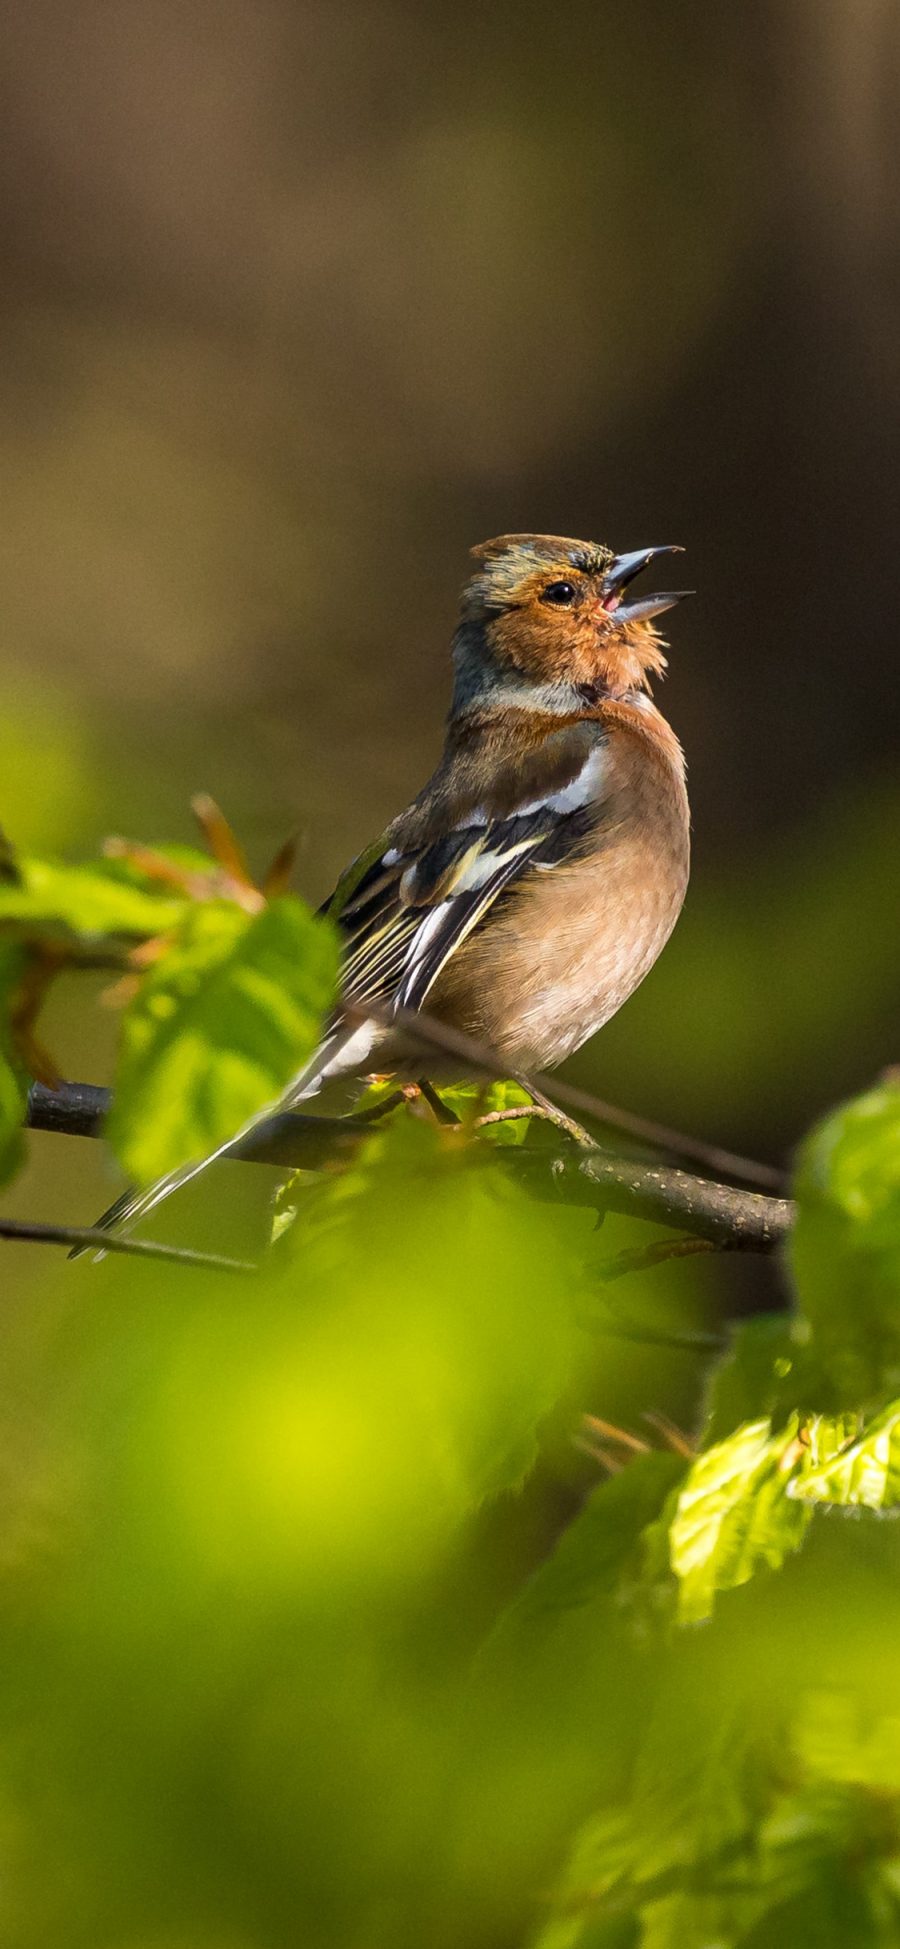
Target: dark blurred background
301,300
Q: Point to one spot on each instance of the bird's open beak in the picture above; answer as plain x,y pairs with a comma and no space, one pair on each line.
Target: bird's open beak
623,570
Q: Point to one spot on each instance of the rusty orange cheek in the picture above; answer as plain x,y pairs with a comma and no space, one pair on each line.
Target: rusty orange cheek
540,644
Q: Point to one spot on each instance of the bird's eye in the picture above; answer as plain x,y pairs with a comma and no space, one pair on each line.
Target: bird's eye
561,593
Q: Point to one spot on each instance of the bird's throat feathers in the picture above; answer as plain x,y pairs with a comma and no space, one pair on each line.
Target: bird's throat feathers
523,659
614,658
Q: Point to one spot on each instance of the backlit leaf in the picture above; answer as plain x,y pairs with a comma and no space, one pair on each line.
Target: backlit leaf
82,902
845,1248
865,1473
218,1029
746,1503
733,1516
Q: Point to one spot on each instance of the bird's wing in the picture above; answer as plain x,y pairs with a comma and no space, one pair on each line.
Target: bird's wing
403,913
405,907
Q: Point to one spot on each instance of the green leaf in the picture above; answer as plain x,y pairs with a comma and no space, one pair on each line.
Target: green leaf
729,1834
593,1553
845,1248
733,1516
676,1850
745,1505
852,1160
218,1029
87,903
865,1472
818,1866
816,1871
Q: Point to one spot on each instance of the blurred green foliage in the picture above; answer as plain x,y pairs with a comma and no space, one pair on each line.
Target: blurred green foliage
12,1084
848,1241
310,1630
218,1029
43,902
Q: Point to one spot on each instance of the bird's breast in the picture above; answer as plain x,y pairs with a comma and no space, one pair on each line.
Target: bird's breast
573,942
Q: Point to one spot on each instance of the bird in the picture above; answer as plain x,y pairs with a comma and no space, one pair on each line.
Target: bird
533,881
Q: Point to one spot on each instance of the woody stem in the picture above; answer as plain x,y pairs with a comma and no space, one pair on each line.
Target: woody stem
728,1218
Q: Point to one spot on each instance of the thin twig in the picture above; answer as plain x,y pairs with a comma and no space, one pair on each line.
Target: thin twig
221,842
693,1150
611,1432
427,1031
538,1111
88,1235
673,1436
612,1447
560,1117
612,1463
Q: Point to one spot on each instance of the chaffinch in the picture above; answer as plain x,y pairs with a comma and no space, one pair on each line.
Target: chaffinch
527,890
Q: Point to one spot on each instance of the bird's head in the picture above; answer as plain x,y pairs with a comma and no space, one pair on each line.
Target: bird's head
551,614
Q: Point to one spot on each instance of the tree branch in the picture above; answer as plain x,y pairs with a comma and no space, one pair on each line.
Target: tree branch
74,1110
728,1218
737,1220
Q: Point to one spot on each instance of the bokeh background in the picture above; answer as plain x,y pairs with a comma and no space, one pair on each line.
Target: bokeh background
299,300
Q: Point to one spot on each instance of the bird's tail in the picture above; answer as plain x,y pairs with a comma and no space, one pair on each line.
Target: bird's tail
134,1204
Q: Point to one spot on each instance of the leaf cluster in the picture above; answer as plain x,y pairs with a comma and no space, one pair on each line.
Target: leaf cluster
225,992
